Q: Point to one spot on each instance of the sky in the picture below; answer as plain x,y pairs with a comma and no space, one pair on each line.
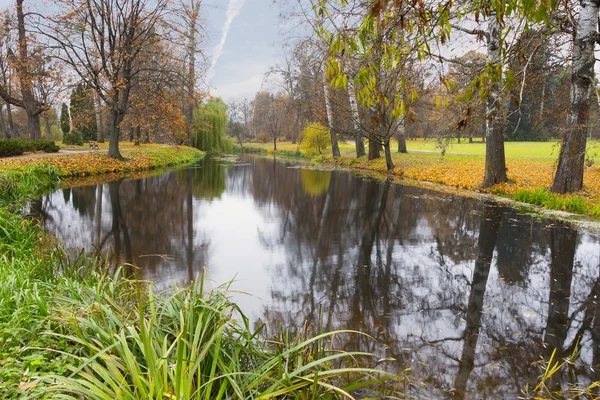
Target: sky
243,39
253,43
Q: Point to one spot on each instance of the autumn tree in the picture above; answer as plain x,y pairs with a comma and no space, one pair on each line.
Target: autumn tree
315,138
189,15
26,64
270,114
101,41
360,59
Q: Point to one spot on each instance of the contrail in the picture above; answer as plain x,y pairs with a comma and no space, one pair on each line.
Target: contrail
233,9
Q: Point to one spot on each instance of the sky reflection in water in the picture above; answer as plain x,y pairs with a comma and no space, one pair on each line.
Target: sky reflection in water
464,292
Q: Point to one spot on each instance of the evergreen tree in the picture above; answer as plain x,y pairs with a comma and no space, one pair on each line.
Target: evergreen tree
83,113
65,122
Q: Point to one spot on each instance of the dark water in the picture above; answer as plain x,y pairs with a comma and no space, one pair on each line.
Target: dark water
469,295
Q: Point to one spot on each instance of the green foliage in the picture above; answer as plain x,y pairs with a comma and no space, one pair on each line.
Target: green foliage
315,138
83,113
552,201
210,127
11,147
26,183
73,138
65,120
15,147
189,345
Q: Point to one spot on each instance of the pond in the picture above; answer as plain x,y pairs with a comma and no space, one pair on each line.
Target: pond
468,294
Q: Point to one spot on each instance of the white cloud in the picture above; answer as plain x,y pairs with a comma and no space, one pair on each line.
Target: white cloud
233,9
239,90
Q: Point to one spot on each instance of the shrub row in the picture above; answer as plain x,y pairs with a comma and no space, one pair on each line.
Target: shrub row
15,147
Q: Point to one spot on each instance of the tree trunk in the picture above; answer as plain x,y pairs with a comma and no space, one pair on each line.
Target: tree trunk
401,137
335,150
470,139
571,161
358,140
388,155
115,130
193,15
5,132
495,162
274,144
33,124
374,148
99,118
48,127
9,120
31,106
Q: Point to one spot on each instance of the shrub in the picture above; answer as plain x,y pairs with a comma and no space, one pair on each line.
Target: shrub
315,138
47,146
16,147
11,147
262,137
73,138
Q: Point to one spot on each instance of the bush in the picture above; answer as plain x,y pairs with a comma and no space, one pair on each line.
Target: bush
315,138
47,146
263,137
16,147
74,138
11,147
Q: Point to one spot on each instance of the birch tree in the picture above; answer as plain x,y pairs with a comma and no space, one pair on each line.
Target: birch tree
571,161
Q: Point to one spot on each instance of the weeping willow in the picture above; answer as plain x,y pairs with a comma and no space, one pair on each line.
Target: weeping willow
210,125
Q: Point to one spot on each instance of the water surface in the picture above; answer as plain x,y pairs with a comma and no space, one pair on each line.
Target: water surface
468,294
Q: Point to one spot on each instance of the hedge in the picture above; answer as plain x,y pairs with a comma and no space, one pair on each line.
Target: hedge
16,147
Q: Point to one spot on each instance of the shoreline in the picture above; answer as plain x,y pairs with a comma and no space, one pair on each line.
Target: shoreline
585,221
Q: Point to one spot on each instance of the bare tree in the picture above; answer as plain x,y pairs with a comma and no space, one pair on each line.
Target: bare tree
101,40
191,18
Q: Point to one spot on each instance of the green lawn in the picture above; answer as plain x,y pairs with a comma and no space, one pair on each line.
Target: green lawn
514,150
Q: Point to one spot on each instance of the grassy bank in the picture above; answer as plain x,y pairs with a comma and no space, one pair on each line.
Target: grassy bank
531,167
67,330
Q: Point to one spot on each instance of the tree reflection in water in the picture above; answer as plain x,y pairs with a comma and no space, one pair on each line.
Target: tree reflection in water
469,295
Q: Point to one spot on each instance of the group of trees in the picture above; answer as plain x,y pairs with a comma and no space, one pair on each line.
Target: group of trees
128,66
375,70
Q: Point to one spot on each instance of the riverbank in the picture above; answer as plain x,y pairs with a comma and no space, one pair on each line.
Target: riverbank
69,329
530,171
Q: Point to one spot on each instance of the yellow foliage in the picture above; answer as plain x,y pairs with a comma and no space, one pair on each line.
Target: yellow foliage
315,138
98,163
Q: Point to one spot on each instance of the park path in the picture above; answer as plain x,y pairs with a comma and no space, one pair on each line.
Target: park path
39,155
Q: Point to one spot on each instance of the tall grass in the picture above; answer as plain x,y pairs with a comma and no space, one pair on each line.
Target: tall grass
192,345
29,182
544,198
